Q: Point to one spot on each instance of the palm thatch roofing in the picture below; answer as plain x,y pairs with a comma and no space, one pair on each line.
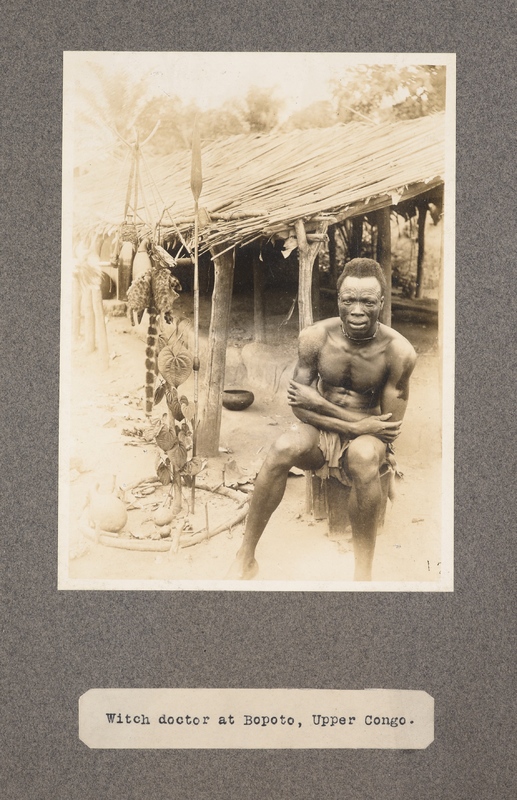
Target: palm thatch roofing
256,185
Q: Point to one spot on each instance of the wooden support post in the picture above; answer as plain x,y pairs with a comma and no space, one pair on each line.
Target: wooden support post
210,426
304,277
306,257
356,238
307,254
384,258
332,257
259,301
422,215
315,288
441,298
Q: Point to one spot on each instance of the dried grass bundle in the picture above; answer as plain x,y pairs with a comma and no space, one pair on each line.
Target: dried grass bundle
283,177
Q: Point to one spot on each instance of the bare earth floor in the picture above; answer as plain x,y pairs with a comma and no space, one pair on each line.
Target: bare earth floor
294,547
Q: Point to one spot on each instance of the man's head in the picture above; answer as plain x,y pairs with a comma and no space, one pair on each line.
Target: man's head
360,295
363,268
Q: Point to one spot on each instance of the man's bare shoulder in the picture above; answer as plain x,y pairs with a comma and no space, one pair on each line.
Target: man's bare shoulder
316,334
399,348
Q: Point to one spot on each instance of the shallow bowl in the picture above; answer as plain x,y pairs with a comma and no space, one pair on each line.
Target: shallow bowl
237,399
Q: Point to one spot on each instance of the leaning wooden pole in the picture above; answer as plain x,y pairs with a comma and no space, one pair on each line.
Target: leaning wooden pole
130,184
196,185
137,178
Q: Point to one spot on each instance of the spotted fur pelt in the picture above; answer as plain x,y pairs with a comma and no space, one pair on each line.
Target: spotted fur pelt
156,290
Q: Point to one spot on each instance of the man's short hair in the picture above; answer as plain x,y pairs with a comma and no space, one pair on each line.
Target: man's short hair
363,268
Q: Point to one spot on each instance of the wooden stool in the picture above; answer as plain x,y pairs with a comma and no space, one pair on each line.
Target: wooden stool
327,498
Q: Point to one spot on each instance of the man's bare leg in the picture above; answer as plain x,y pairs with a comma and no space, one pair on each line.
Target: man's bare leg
364,458
296,448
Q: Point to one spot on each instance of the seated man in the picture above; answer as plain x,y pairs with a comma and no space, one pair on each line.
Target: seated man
349,393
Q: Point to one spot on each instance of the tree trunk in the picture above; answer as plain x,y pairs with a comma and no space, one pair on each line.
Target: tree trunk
210,426
384,258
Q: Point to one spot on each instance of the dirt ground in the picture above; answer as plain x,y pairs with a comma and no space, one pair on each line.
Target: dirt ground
294,547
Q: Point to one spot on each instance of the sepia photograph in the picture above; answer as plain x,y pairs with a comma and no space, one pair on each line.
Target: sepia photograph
257,321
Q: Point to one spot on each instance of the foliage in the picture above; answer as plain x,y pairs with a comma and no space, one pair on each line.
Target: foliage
174,438
261,110
113,107
109,103
175,127
220,123
320,114
383,92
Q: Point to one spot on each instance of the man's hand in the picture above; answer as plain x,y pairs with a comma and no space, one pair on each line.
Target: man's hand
302,396
378,426
307,402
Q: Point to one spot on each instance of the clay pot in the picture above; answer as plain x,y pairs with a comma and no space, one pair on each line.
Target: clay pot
237,399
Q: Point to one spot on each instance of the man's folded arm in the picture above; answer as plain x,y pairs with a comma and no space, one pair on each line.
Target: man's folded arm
395,394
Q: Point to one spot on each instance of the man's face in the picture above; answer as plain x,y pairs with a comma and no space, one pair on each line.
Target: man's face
359,304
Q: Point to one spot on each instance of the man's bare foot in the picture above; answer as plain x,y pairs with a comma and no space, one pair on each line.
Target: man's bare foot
242,569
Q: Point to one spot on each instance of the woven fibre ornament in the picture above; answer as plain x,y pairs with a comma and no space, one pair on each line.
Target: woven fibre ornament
175,366
139,294
128,233
162,256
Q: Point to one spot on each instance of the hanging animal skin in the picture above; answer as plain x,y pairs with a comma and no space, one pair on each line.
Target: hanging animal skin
140,298
155,290
152,288
165,290
140,295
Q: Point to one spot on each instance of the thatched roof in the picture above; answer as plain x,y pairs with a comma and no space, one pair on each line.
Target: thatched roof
343,170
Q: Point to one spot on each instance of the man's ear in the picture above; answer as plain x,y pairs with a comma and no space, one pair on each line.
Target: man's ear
382,302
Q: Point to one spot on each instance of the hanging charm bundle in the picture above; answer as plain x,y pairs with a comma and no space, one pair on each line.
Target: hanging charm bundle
154,291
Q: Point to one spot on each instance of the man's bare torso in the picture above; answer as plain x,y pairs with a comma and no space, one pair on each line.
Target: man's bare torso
351,374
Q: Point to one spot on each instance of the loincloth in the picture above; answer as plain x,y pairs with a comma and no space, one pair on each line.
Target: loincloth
334,447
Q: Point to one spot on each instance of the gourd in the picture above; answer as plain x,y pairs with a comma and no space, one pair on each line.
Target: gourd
107,511
163,516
